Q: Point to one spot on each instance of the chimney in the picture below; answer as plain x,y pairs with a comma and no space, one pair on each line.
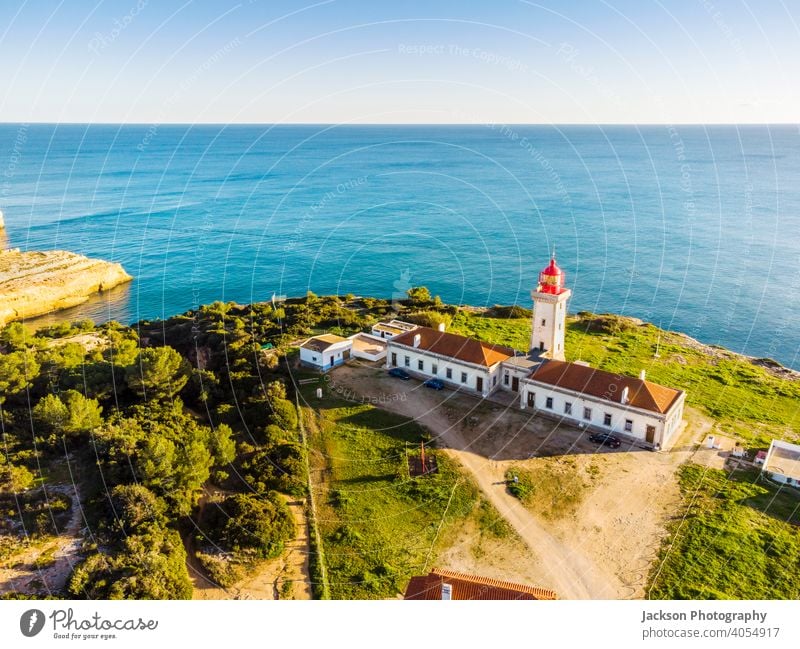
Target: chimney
624,396
447,591
417,340
642,374
441,326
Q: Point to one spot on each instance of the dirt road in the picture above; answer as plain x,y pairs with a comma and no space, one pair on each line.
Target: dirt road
605,550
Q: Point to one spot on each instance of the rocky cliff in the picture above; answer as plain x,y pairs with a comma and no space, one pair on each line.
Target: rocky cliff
33,283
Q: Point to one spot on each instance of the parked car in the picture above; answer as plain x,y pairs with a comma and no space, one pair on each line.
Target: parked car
434,384
606,440
399,373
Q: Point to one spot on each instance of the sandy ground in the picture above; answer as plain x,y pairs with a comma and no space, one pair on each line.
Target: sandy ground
268,578
604,550
22,576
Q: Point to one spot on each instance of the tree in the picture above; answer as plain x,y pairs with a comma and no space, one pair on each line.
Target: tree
284,414
84,414
135,506
280,468
419,295
221,445
431,319
17,371
275,390
73,414
149,565
50,414
17,336
158,372
255,524
14,479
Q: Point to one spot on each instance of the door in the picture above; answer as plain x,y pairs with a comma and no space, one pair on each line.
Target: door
479,384
333,360
531,399
651,434
394,359
515,383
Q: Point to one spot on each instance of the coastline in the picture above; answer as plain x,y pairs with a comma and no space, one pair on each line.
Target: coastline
37,283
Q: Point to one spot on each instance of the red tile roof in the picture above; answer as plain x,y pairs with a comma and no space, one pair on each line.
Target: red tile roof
606,385
462,348
465,587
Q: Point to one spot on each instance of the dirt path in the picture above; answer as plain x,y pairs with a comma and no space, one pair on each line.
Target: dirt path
23,577
602,552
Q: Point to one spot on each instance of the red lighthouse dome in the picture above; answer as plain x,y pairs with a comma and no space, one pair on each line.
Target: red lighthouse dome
551,279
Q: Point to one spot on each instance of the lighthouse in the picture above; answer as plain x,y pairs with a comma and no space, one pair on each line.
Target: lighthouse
549,312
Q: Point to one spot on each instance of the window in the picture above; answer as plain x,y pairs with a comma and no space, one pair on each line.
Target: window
505,378
567,408
587,413
628,425
548,403
434,368
606,419
394,359
544,322
408,361
420,365
463,377
449,372
313,358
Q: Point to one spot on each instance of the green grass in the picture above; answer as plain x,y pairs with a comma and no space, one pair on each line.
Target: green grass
552,489
380,527
734,542
747,401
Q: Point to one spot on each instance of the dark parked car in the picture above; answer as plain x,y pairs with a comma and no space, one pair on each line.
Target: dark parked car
399,373
434,384
606,440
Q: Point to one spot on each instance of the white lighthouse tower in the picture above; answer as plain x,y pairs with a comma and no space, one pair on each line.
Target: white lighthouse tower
549,312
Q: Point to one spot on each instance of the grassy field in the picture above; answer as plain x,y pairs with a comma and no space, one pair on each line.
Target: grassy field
734,542
746,400
379,526
552,489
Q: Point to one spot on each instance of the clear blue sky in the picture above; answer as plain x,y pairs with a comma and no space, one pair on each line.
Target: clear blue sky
433,61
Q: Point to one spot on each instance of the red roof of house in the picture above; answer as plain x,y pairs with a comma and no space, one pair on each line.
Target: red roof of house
465,587
606,385
462,348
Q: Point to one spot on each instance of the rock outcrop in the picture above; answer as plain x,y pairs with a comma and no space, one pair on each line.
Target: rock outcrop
34,283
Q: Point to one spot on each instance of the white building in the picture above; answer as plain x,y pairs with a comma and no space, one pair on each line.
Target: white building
460,362
325,352
368,347
782,463
388,330
603,401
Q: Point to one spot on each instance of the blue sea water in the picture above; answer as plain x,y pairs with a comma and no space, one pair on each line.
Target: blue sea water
694,228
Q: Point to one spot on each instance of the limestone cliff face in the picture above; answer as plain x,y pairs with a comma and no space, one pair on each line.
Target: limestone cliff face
34,283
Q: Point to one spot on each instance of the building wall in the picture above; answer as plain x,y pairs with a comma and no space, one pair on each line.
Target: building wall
321,360
639,419
552,311
491,376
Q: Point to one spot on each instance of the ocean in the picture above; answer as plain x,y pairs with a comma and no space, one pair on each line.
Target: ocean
693,228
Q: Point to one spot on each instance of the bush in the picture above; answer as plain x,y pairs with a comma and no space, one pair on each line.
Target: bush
257,525
221,569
